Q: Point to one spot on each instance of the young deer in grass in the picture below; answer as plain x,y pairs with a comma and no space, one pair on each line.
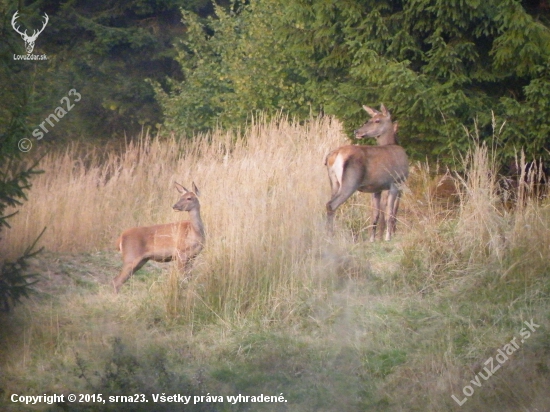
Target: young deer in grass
370,169
182,241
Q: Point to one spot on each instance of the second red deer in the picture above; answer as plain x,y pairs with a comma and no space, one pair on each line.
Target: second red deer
369,169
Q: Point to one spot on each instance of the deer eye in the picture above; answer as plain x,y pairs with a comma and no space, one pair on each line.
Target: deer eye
377,121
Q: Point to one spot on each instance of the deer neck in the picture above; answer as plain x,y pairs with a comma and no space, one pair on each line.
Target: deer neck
196,221
386,138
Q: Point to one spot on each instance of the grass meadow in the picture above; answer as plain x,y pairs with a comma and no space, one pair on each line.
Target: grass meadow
273,305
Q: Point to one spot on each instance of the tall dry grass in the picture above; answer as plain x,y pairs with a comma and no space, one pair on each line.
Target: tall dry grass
489,225
263,195
415,316
480,264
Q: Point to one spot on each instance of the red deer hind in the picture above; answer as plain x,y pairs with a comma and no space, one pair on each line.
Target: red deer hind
182,241
370,169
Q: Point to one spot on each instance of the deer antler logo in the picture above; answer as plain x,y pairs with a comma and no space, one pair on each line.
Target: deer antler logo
29,40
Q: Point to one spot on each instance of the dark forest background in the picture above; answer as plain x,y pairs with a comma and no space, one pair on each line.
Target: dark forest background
192,65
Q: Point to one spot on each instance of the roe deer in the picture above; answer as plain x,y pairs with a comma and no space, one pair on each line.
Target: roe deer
370,169
182,241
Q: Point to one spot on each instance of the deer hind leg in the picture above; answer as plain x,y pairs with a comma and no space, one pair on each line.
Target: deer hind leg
391,210
128,269
375,214
334,188
334,183
347,185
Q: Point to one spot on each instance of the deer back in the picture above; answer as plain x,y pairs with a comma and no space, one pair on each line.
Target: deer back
375,167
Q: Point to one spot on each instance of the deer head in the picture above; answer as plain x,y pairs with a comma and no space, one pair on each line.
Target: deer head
378,126
29,40
188,200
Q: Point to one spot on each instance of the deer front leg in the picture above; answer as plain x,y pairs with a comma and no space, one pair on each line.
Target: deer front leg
185,263
375,213
395,209
391,211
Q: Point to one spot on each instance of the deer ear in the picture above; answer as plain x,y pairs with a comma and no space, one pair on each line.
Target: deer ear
196,189
384,110
395,127
370,111
180,187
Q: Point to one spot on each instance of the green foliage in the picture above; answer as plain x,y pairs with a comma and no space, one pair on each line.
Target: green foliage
14,181
438,65
14,282
241,67
528,126
14,178
15,175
